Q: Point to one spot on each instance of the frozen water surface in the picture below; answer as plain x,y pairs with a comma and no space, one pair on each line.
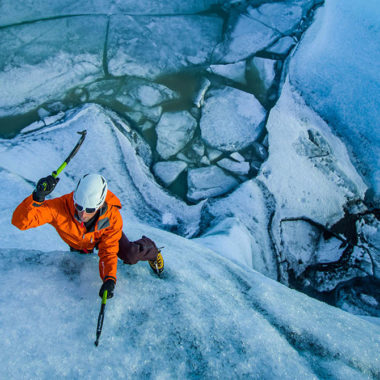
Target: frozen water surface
12,12
136,45
43,60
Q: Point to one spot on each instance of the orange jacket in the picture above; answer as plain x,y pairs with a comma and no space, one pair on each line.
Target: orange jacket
60,213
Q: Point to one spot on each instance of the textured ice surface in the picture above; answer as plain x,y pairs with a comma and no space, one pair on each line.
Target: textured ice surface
233,71
338,74
309,174
282,47
308,169
151,46
215,320
174,131
207,182
238,168
247,37
264,70
13,12
283,17
43,60
252,206
268,332
231,119
168,171
228,237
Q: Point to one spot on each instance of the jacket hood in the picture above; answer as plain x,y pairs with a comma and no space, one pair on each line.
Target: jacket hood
112,199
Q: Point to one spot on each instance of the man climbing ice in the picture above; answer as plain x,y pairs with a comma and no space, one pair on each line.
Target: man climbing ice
86,219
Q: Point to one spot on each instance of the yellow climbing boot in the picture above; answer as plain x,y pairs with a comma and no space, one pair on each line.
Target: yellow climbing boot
158,264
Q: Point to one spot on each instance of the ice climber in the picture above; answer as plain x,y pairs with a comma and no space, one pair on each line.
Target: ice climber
87,219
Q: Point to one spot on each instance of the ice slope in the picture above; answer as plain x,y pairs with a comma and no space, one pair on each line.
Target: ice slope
207,318
336,69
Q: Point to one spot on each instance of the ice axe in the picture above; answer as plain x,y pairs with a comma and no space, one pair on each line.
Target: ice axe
56,173
101,317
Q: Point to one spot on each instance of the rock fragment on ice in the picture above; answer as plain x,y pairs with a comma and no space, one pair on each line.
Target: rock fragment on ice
208,182
174,131
231,119
168,171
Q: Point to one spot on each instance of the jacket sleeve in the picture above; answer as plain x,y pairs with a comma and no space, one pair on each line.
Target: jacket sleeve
109,248
30,214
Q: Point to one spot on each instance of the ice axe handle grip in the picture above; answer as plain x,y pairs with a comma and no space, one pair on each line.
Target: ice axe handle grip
57,172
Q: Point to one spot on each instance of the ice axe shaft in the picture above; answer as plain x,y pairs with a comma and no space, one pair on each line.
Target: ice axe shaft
101,317
56,173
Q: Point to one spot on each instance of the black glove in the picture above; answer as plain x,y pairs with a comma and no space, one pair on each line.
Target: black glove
44,187
108,285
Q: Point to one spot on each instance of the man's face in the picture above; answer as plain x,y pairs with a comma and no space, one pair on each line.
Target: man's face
84,216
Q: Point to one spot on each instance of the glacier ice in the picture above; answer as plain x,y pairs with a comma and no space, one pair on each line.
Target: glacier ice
338,76
231,119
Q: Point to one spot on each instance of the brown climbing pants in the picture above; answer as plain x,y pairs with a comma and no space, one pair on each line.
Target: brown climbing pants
140,250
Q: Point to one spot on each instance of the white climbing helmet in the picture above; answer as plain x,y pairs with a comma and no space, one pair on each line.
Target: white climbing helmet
90,192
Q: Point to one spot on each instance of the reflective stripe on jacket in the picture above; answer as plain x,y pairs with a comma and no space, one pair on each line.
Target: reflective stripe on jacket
60,213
